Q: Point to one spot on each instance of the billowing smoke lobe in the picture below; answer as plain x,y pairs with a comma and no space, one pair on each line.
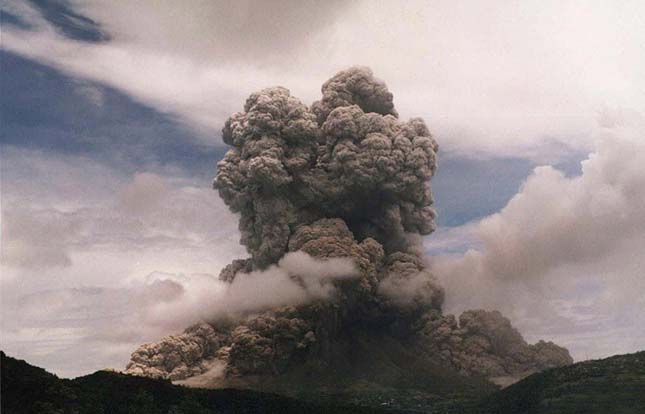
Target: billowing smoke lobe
344,178
347,157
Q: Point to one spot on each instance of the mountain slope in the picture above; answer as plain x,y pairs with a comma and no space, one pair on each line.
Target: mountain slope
31,390
613,385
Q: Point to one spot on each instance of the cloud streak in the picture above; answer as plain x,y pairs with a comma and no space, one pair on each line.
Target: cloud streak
296,279
496,79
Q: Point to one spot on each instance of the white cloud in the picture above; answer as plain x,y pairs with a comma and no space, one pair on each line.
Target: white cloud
216,29
75,213
564,258
297,278
451,240
78,241
36,239
492,78
145,193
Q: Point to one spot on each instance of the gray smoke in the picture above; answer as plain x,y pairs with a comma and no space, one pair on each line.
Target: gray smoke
347,157
336,190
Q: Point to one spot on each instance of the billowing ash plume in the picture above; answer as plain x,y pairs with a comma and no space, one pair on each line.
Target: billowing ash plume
343,179
347,157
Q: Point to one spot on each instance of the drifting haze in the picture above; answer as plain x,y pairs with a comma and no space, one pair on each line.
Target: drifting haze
296,279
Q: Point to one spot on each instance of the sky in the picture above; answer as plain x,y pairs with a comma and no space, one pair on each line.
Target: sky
111,114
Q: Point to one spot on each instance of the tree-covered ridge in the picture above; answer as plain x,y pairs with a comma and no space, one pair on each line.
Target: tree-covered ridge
31,390
613,385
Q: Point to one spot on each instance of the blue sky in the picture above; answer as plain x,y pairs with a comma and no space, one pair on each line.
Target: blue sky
43,109
111,117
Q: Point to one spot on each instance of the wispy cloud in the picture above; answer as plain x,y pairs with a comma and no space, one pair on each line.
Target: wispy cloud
493,80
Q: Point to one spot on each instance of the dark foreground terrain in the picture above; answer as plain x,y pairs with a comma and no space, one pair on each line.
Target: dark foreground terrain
614,385
29,389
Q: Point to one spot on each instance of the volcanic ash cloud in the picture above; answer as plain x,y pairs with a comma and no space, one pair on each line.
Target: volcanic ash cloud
344,178
347,157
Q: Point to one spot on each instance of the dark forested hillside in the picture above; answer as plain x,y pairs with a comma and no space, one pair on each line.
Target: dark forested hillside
31,390
614,385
